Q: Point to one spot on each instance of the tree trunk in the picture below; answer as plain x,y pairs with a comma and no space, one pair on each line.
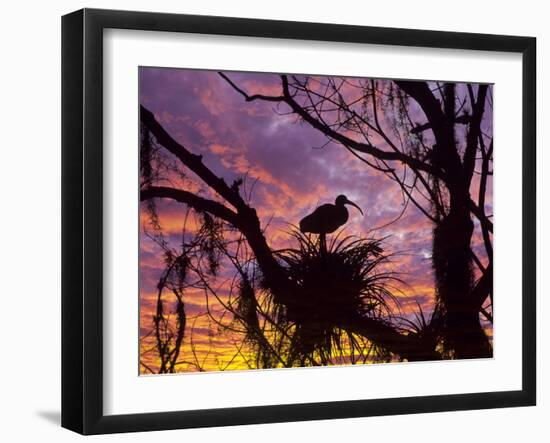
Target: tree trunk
462,332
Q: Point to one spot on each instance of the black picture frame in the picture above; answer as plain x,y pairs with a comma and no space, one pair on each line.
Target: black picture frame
82,240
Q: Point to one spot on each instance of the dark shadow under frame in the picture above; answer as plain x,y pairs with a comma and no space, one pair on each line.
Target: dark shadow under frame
82,220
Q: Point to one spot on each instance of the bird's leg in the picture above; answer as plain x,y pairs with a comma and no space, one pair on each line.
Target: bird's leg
323,243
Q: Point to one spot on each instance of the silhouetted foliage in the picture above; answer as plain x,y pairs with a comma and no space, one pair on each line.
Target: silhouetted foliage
319,304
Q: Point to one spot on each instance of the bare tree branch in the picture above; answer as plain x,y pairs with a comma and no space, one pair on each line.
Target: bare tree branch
198,203
329,132
474,130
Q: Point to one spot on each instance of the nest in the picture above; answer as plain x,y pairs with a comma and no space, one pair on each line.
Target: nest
337,283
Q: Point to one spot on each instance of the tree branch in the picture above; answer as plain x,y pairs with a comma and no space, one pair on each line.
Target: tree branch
474,130
385,335
483,219
483,287
365,148
441,126
245,219
192,161
198,203
249,98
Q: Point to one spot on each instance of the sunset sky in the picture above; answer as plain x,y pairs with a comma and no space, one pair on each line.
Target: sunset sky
294,171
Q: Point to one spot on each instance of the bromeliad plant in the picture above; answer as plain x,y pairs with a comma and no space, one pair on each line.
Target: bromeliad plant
335,288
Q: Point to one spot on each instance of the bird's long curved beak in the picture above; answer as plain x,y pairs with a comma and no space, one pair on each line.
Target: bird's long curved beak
349,202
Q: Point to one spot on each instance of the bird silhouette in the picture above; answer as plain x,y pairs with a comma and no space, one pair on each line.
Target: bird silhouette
327,218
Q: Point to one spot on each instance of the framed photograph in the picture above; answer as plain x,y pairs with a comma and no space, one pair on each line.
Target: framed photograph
269,221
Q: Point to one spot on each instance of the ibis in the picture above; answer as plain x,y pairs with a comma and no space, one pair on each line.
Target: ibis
327,218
